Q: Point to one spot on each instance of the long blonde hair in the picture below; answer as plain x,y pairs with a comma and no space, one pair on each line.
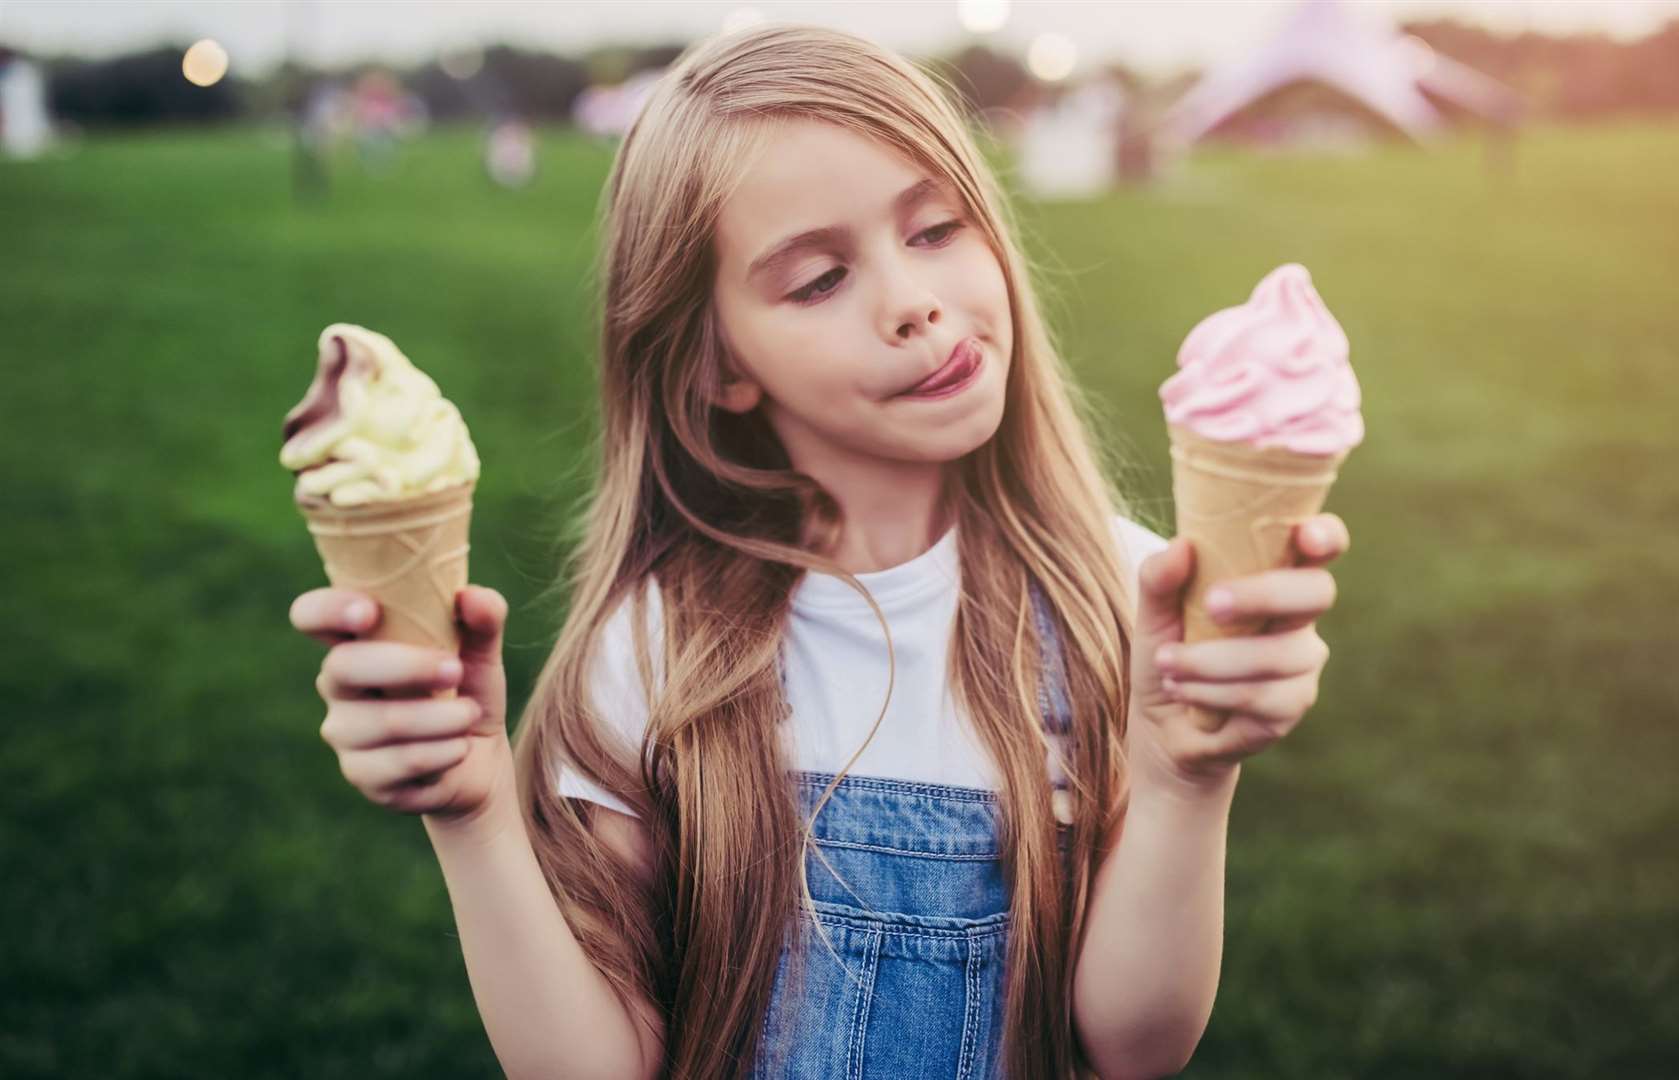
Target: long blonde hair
706,503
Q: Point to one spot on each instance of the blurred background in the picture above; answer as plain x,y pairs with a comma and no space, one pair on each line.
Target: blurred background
1461,866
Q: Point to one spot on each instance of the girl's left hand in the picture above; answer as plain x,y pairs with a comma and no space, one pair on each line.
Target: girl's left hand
1266,682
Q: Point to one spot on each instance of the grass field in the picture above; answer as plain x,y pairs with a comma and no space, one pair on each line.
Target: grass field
1461,866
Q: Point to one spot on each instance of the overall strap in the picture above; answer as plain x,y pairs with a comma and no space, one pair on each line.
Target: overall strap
1053,703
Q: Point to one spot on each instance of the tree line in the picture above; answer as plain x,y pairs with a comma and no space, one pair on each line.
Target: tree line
1572,77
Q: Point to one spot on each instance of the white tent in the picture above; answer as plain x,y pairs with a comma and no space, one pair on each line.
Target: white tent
1070,150
1323,42
25,130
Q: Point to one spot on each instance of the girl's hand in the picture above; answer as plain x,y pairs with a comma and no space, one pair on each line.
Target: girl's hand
1267,682
399,745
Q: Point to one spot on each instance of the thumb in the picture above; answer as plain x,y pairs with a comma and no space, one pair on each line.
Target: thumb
1163,577
481,614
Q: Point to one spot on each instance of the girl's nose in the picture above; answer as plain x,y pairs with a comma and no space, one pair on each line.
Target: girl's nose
909,303
929,316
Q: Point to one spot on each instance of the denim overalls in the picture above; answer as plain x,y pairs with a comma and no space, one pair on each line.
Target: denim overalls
919,918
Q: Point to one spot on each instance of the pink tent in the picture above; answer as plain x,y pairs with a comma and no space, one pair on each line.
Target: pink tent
1322,42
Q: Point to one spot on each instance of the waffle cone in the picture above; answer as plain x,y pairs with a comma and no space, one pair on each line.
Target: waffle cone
410,555
1239,505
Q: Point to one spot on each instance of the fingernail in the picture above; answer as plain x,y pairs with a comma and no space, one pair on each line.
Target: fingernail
449,669
1220,601
1166,656
359,613
1314,535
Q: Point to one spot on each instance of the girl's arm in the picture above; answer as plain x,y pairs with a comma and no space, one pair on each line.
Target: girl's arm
547,1010
1147,969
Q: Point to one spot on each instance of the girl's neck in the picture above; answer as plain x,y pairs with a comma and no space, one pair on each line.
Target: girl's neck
886,524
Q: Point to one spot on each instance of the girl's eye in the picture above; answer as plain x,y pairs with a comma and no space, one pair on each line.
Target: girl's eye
811,294
944,229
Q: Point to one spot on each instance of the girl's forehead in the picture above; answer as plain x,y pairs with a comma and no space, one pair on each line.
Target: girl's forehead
803,155
813,176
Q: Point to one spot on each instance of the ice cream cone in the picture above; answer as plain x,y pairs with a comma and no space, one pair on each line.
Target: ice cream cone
1239,505
409,554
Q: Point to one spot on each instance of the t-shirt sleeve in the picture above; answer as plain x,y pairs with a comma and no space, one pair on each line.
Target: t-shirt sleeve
617,696
1136,540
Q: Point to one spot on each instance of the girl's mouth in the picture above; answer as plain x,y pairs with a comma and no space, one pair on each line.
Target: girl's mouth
956,375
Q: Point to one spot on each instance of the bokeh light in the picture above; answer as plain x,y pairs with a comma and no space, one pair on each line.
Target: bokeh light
463,63
982,16
205,63
1051,57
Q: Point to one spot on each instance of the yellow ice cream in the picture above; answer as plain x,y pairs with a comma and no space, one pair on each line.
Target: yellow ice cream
373,427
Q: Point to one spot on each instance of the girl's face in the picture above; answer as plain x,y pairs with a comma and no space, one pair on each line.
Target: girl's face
842,280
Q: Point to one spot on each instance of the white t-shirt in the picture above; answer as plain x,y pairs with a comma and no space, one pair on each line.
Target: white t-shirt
837,675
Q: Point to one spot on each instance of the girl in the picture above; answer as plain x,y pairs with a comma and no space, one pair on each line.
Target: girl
827,771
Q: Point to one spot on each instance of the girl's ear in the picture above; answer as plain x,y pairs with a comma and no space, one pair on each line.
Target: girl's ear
739,395
737,392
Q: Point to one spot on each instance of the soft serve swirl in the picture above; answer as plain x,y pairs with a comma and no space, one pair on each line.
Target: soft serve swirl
373,427
1272,372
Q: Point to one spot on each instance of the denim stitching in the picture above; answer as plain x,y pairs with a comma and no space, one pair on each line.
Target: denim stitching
898,926
858,845
809,779
970,1013
860,1011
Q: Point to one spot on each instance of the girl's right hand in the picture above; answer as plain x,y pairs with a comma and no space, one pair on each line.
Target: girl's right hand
400,746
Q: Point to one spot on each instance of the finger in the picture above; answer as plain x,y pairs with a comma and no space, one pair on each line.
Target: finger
1295,593
1199,754
377,771
353,668
1240,737
1272,701
365,725
1162,577
331,615
1320,540
423,794
482,615
1288,625
1242,659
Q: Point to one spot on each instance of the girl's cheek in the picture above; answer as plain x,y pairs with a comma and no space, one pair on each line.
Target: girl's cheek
993,298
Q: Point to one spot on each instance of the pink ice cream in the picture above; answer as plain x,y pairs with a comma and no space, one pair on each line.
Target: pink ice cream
1272,372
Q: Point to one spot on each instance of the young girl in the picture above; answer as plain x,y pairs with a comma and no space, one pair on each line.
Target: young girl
827,772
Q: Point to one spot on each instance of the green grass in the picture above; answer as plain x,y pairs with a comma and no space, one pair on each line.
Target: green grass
1460,866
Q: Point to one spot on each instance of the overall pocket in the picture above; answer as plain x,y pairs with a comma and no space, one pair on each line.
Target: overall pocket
898,996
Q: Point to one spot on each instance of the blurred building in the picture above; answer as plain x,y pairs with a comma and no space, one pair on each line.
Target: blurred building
25,128
1329,78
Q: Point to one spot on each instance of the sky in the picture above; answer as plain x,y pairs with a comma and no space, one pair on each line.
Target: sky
1156,36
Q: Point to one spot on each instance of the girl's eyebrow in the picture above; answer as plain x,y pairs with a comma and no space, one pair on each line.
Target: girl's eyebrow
903,202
